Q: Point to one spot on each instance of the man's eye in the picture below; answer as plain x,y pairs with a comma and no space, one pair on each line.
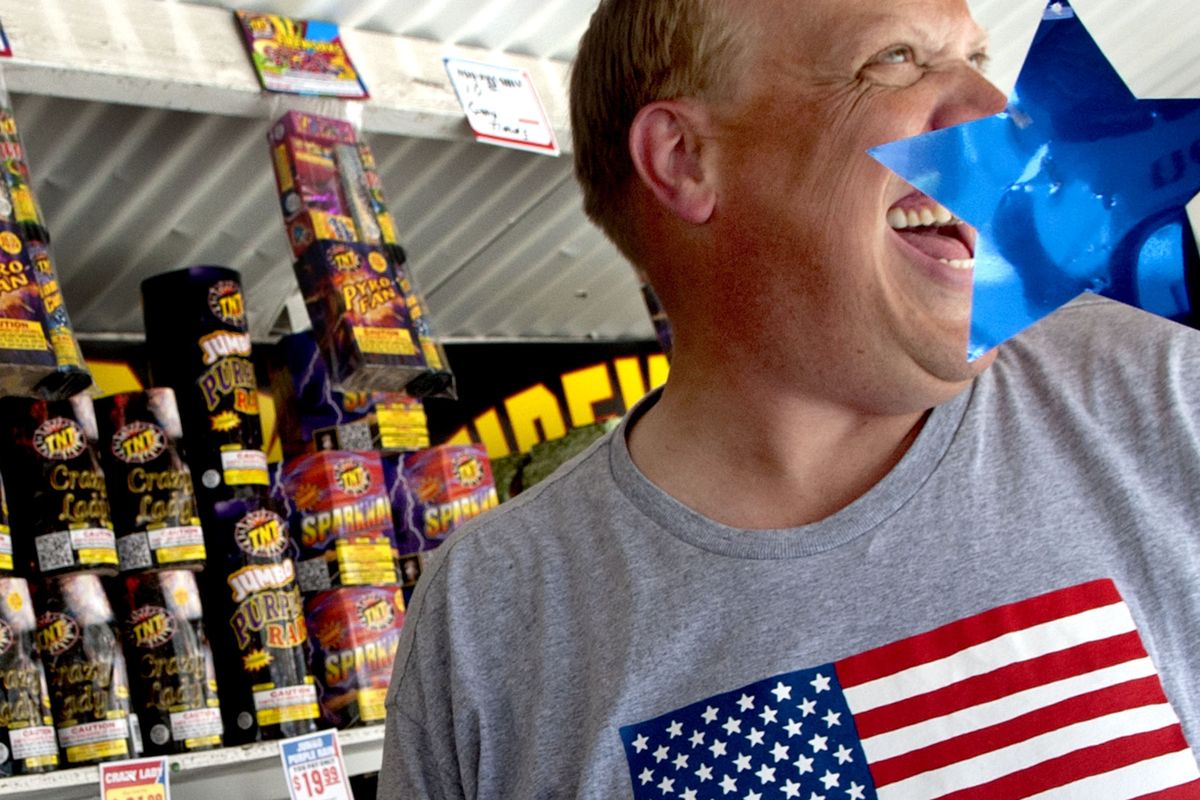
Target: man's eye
902,54
981,61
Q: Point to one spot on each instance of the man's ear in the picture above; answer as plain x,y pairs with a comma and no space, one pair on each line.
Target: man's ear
666,144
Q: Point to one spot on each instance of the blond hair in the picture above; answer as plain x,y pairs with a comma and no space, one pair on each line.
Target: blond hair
634,53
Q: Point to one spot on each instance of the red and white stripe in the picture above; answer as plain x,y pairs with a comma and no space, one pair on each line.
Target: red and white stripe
1052,697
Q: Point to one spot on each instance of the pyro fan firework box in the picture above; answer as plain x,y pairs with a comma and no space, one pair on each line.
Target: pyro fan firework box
341,520
328,187
312,414
26,357
433,492
353,635
360,316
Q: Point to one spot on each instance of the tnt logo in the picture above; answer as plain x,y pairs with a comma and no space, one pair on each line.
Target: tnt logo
468,470
261,533
139,442
152,626
57,633
352,477
225,301
6,637
376,613
59,439
344,259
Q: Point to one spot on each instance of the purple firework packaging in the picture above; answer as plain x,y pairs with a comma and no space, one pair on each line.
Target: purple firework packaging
26,357
341,520
259,635
27,738
355,633
85,670
199,345
150,488
174,691
60,508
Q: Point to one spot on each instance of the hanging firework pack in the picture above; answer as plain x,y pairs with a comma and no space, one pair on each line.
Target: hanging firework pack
174,691
27,739
85,670
59,500
153,506
259,635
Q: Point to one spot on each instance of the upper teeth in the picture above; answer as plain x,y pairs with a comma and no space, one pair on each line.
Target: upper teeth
920,218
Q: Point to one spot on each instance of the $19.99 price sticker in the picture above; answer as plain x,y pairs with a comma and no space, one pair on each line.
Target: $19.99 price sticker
313,767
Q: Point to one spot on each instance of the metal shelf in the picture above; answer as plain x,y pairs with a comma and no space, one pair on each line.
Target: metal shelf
248,772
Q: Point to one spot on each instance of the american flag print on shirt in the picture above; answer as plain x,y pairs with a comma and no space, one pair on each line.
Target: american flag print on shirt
1051,697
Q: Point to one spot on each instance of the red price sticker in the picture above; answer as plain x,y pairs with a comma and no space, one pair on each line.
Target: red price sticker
141,779
313,767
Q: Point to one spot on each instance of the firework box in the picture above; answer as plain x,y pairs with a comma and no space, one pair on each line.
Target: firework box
361,317
314,415
433,492
354,633
328,187
26,722
341,520
26,357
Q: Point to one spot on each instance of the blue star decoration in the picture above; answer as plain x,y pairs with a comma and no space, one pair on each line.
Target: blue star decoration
1076,186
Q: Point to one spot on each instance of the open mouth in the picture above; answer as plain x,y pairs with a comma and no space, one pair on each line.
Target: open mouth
929,227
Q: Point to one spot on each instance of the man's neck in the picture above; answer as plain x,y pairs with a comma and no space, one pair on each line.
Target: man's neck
753,460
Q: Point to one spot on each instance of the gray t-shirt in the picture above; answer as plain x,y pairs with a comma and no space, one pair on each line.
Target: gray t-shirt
1005,608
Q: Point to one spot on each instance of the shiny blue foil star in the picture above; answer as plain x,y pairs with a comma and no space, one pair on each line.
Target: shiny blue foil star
1076,186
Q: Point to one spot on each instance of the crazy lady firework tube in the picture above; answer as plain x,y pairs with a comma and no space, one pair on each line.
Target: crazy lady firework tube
60,502
27,739
170,664
150,488
199,345
89,689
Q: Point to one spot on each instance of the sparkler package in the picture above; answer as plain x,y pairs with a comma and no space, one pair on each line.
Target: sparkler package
171,673
311,414
199,345
257,622
355,632
85,670
153,506
60,510
27,738
341,519
433,492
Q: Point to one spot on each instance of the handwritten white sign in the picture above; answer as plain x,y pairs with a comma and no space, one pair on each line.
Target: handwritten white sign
502,106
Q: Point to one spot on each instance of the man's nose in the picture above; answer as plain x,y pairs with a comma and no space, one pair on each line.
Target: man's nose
969,96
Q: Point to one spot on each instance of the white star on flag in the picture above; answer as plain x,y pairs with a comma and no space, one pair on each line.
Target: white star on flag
782,692
769,715
830,779
804,764
728,784
780,751
855,792
755,737
766,774
808,707
646,776
732,726
832,718
667,785
793,728
704,773
641,743
791,789
681,761
820,683
675,729
662,753
709,715
697,738
717,748
818,743
745,702
742,762
844,754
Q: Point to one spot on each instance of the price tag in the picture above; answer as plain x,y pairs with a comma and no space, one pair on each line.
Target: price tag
502,106
140,779
313,767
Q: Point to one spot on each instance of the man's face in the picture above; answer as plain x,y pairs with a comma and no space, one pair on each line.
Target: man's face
825,249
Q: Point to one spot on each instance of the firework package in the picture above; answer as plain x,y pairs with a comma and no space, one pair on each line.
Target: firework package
68,374
199,345
311,414
154,510
341,520
432,492
59,507
7,563
258,633
85,670
171,672
27,739
368,317
354,633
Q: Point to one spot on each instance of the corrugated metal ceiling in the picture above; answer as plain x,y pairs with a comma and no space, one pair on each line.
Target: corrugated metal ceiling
496,237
